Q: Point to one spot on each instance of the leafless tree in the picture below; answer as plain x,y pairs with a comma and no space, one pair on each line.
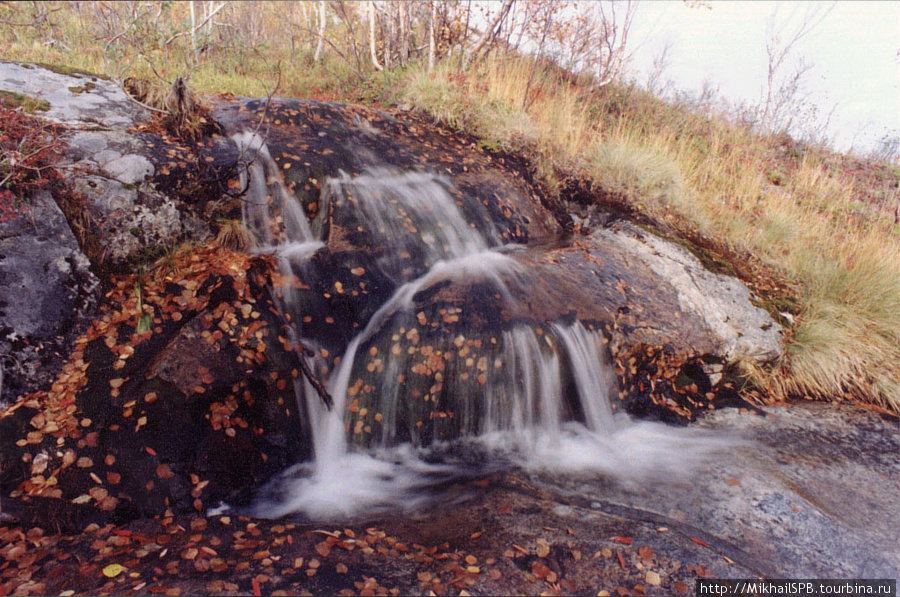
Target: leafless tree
783,93
661,62
613,23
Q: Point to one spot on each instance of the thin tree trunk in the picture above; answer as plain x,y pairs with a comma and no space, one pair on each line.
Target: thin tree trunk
404,34
431,36
489,32
207,14
322,20
194,32
372,48
389,40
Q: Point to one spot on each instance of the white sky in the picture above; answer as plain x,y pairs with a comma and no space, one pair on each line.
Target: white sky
854,52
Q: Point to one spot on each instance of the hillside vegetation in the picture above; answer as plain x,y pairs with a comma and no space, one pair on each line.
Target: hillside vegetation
814,233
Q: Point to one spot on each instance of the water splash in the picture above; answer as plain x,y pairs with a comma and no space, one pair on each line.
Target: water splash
272,213
331,444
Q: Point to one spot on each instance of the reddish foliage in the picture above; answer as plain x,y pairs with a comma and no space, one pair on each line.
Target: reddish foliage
29,148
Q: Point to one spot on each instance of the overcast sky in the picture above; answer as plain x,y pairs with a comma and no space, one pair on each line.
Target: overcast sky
854,53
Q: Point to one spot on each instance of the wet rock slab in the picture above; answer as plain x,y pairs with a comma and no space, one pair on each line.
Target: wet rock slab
808,491
312,141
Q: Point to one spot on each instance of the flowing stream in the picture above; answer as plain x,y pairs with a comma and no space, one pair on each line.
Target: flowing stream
544,403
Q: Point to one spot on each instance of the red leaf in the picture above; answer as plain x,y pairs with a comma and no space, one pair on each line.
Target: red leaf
700,542
622,540
256,590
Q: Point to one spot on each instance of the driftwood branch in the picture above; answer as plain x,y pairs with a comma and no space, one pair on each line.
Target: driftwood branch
313,380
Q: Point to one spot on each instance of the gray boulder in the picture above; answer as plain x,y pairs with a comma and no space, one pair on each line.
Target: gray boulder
129,215
724,304
46,291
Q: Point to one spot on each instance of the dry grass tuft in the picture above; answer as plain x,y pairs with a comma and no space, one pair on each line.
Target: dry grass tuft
235,236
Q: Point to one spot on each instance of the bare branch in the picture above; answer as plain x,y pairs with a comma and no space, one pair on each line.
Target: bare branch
489,32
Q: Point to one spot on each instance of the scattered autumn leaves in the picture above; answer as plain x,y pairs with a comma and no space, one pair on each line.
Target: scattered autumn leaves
60,436
178,555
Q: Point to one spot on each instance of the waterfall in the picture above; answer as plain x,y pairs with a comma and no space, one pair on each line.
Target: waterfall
542,396
269,209
413,213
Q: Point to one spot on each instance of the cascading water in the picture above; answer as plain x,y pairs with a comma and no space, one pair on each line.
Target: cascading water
544,388
270,211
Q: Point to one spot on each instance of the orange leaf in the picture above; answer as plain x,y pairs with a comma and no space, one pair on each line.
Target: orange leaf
622,540
323,549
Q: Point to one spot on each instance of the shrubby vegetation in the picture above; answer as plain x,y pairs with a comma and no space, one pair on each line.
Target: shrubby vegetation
815,233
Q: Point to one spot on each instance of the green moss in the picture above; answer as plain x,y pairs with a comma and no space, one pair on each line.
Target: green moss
82,88
70,71
491,145
13,100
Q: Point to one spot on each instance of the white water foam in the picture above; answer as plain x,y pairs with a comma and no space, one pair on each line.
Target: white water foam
372,480
269,209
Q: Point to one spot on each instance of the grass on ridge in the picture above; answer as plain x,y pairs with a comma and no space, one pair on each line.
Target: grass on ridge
784,204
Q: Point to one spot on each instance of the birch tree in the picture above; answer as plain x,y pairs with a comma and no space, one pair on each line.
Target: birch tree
323,19
373,50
